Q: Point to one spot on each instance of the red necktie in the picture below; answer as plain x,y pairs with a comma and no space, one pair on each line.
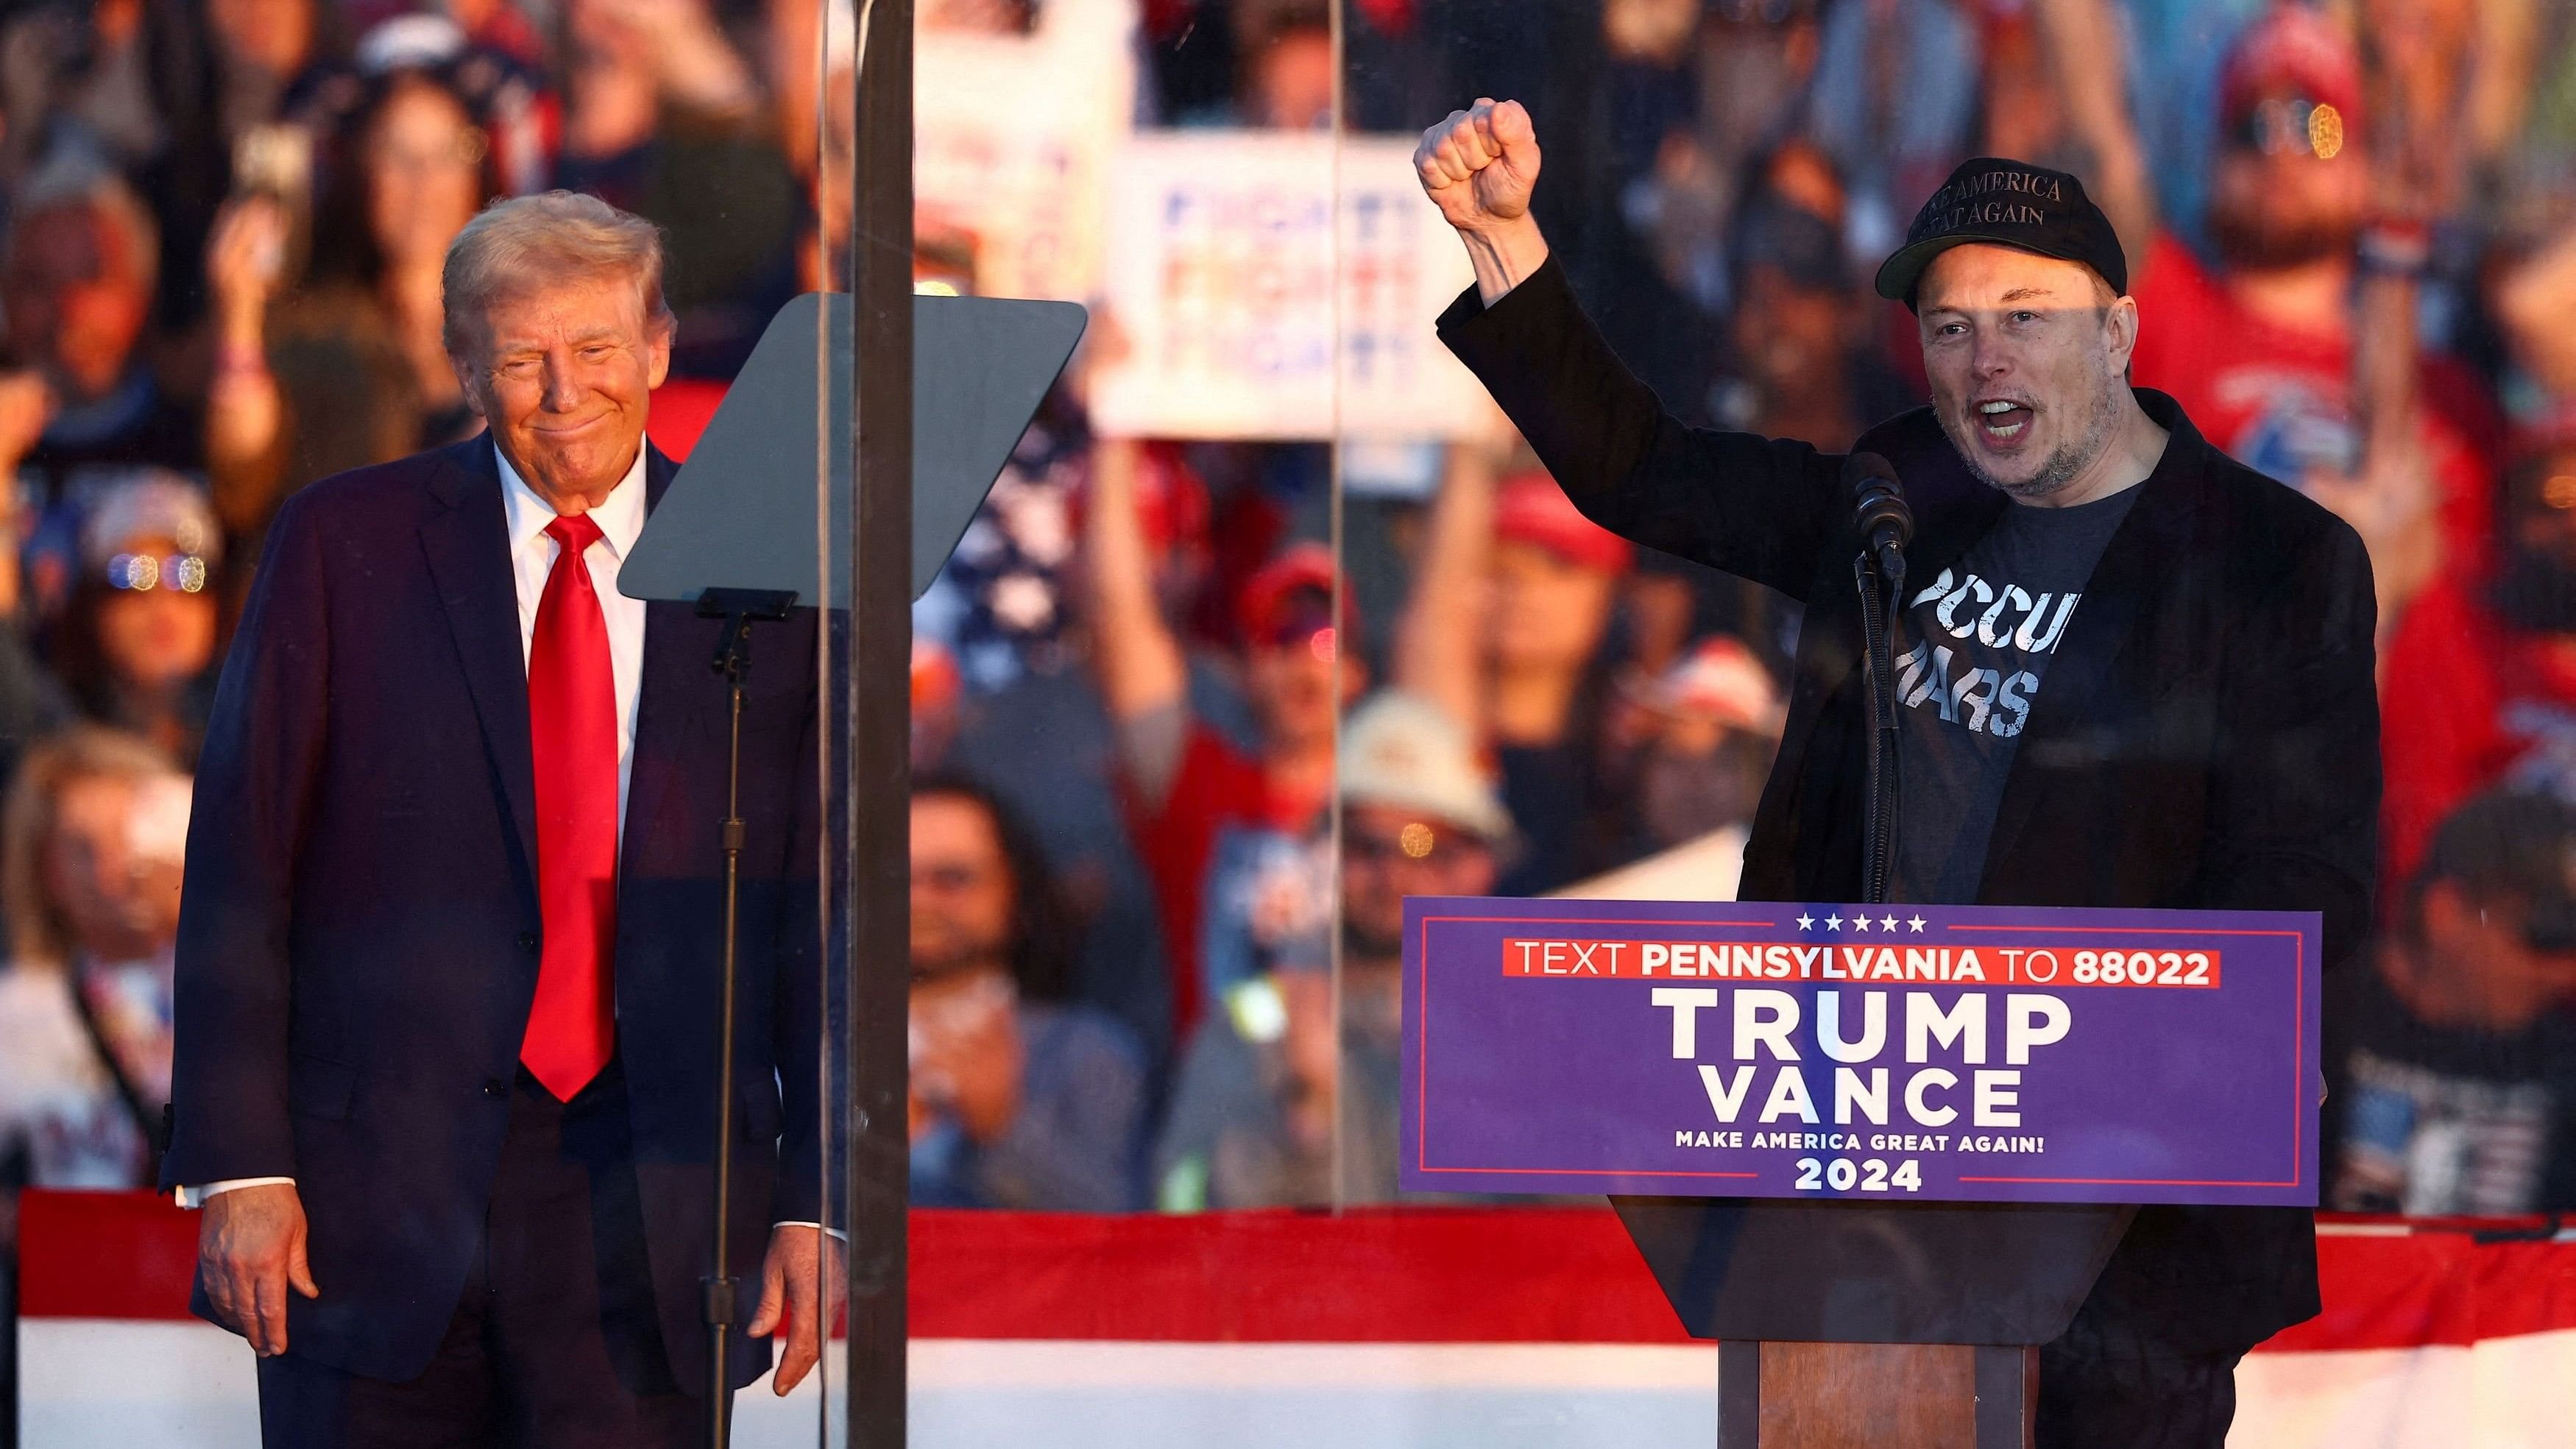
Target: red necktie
572,726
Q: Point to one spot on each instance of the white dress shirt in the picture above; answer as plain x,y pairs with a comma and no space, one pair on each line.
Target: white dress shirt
532,558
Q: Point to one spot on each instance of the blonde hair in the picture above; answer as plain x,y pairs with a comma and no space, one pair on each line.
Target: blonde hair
552,236
37,934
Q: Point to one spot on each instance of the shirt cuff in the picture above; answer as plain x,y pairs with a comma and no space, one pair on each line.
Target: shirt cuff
195,1197
835,1232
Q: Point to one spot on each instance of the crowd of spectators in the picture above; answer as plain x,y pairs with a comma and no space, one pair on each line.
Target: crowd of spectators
2353,237
1189,719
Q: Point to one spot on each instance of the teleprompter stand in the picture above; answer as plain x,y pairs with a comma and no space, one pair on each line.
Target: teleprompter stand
762,519
1845,1325
739,609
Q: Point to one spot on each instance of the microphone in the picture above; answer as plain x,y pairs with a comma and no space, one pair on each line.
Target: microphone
1880,514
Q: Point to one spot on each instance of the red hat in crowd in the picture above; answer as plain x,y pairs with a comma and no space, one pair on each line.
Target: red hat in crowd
1721,680
1531,509
1290,599
935,681
2294,48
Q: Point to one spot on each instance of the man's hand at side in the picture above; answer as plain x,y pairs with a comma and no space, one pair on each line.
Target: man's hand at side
1479,167
801,1285
250,1250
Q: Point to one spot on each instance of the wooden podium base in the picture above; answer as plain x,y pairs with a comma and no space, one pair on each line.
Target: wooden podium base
1784,1395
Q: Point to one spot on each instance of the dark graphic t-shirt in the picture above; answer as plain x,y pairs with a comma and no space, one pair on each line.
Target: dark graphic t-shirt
1976,641
2432,1120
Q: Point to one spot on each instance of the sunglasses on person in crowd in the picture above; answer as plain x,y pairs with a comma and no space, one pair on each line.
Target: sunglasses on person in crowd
1296,621
2291,125
143,572
1415,841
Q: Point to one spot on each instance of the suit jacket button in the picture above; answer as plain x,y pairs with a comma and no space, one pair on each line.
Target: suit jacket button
528,941
494,1089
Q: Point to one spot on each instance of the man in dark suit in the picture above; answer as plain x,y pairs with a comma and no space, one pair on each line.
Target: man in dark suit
449,936
2201,732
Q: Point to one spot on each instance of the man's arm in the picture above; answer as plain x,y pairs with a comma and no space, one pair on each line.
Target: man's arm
1754,507
1143,677
2084,54
803,1271
2294,810
1440,639
1480,167
254,783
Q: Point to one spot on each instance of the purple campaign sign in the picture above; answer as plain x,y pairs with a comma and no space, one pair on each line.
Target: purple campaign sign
1893,1053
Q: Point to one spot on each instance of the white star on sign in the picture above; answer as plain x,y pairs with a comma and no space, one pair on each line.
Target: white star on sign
1860,922
1806,923
1889,923
1917,924
1834,923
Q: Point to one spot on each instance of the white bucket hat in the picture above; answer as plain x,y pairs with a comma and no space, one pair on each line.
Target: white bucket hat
1402,751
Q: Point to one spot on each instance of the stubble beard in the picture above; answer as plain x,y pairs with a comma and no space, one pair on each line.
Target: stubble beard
2061,467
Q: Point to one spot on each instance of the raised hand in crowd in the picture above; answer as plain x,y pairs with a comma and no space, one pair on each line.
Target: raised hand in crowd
674,45
968,1057
245,265
1440,642
1134,651
1479,167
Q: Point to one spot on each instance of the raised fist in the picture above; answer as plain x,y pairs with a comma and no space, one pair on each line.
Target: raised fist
246,258
1479,165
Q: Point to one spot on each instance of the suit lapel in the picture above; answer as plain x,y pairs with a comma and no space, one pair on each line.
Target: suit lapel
663,711
468,546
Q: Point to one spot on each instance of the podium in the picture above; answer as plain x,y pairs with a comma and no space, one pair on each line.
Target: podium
1857,1324
1880,1153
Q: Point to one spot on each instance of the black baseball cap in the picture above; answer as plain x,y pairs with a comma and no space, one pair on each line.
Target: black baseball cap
2516,843
2011,204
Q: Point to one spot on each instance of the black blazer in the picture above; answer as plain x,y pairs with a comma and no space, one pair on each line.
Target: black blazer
2209,736
359,927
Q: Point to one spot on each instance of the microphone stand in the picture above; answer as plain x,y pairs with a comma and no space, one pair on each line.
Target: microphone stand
739,608
1881,582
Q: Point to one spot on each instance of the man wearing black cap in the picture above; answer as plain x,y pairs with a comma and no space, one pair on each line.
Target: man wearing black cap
2132,671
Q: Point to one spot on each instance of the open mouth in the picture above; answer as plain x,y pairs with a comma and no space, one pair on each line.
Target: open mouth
2002,421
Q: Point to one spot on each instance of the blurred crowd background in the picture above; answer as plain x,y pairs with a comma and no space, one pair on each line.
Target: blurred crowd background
1195,707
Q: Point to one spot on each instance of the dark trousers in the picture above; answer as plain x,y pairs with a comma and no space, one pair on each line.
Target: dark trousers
2107,1386
556,1343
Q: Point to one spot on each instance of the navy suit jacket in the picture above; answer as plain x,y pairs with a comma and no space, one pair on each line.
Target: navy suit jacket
358,938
